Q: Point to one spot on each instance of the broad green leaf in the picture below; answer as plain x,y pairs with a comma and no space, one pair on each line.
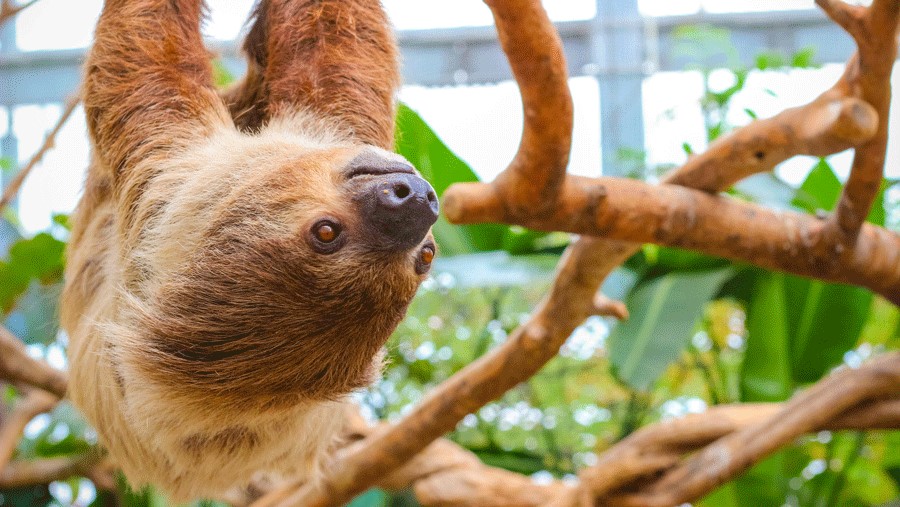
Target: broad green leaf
766,372
516,461
820,190
798,330
664,313
35,319
677,259
39,258
878,213
725,496
441,167
825,321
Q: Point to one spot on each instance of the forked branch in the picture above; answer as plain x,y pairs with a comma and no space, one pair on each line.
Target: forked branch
839,121
868,78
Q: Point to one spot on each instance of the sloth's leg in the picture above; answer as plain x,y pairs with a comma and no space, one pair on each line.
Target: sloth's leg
336,59
148,86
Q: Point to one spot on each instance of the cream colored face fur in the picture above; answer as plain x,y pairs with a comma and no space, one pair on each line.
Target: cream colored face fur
170,417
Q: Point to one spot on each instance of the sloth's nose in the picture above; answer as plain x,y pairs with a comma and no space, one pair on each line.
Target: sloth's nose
401,208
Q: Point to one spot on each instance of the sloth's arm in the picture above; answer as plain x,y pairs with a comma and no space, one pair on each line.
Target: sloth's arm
334,58
148,85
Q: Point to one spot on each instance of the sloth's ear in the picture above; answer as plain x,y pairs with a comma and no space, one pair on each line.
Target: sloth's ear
134,83
336,59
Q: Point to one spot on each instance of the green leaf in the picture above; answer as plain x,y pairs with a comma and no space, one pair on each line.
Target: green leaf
804,57
769,60
517,461
766,372
222,77
798,330
441,167
878,213
63,221
40,257
677,259
820,190
664,313
825,321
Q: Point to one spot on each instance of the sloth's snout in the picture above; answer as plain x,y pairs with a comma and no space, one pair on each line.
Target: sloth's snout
400,208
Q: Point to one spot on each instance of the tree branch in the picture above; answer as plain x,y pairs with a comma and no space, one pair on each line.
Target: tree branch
17,366
35,402
875,31
12,189
631,210
19,474
850,17
829,400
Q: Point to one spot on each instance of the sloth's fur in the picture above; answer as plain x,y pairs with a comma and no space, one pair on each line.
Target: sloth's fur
208,341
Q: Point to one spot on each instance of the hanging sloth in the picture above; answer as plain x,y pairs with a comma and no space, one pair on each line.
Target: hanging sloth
237,261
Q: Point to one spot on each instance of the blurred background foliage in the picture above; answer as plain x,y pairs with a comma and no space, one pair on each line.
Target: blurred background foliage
703,331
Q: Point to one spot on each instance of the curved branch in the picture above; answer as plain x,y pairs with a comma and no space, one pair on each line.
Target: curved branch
36,402
868,78
17,366
535,53
828,400
631,210
21,474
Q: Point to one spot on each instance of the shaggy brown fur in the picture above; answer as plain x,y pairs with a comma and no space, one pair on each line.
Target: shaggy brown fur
209,339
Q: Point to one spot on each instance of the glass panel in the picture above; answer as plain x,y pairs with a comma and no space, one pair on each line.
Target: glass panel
54,185
483,124
57,24
419,14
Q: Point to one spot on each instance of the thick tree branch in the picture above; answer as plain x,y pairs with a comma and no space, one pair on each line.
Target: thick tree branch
19,474
12,189
535,53
631,210
850,17
17,366
875,31
34,403
829,400
446,475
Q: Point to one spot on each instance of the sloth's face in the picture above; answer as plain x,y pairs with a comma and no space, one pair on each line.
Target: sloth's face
298,282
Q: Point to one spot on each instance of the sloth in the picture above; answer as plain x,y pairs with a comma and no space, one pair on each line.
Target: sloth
238,260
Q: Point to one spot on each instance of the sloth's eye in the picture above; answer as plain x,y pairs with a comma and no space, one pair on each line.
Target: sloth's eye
325,236
427,255
326,233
